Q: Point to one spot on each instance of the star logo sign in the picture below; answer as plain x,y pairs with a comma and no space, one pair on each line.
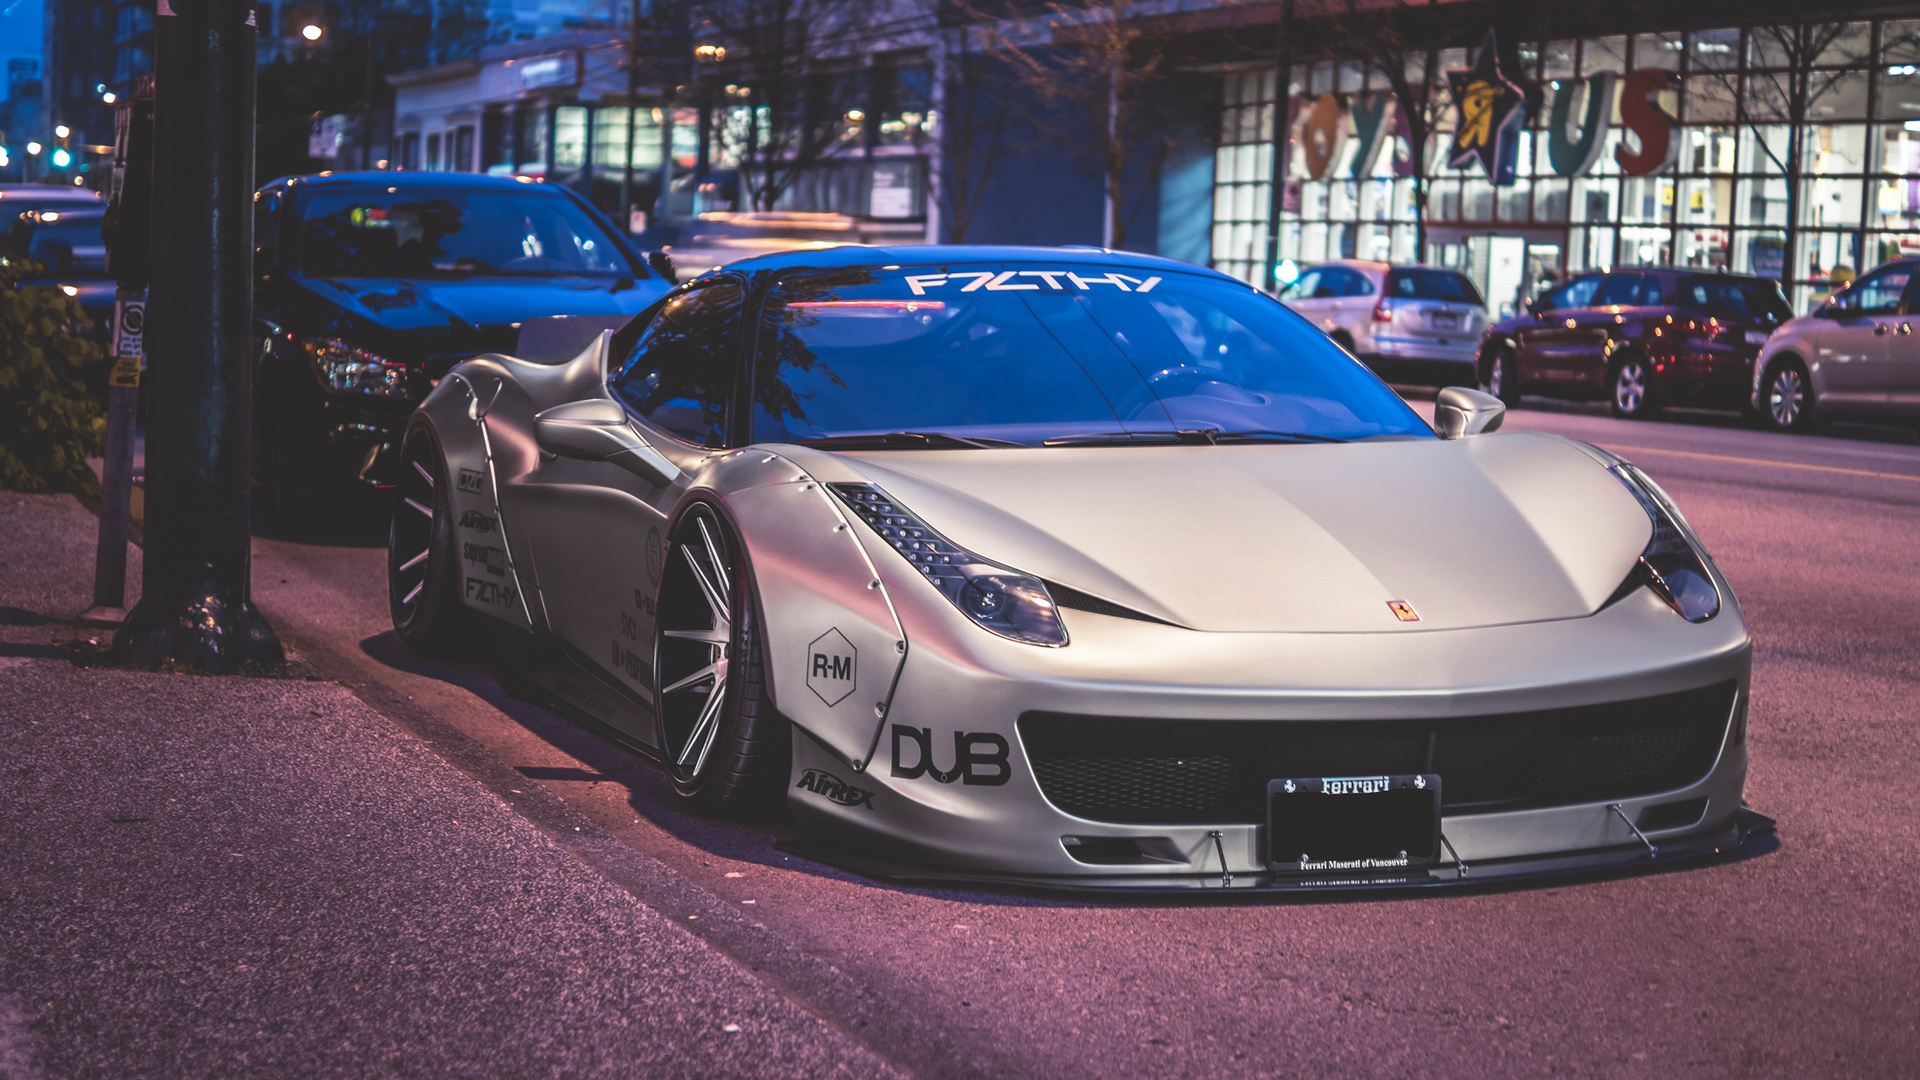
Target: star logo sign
1489,109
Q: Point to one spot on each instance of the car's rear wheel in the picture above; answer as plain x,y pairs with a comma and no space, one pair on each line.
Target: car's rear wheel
423,565
1501,377
1631,384
1786,397
725,747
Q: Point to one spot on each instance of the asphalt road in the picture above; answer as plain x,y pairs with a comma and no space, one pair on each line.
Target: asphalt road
1800,961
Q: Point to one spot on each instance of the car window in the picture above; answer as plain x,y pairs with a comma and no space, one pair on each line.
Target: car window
422,232
1631,290
1025,352
679,375
1359,284
1734,298
1335,282
1574,294
1304,287
1420,283
1878,293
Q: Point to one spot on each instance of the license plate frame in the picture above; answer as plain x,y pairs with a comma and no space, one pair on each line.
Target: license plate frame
1443,321
1360,823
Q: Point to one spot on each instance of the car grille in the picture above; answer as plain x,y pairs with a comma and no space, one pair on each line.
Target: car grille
1215,772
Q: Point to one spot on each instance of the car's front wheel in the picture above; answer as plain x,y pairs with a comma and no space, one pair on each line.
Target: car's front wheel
423,565
725,747
1786,397
1631,382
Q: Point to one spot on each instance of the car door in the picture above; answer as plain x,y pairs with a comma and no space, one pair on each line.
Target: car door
598,532
1903,356
1544,345
1621,309
1853,348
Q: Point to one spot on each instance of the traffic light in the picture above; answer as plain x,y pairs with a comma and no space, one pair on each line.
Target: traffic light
62,150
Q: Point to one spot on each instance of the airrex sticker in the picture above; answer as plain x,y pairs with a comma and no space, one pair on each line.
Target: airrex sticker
832,788
979,757
1025,281
831,663
478,522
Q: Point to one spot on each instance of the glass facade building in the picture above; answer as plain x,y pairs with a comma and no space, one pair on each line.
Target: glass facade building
1720,200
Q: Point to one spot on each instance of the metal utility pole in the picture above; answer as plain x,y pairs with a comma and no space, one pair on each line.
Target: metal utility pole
196,608
128,225
633,92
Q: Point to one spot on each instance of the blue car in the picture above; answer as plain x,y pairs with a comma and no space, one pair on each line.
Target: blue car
370,286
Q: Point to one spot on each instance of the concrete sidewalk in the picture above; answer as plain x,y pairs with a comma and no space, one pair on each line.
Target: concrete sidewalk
265,877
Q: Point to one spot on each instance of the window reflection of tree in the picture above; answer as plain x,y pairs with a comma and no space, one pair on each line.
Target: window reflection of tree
404,245
680,373
783,354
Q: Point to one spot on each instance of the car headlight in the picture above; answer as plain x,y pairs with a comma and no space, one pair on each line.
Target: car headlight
1007,602
348,369
1673,565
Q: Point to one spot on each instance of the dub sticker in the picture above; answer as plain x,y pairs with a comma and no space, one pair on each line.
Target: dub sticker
979,757
472,481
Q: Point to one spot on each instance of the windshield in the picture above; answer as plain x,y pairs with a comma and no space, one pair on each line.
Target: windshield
416,233
1419,283
1035,352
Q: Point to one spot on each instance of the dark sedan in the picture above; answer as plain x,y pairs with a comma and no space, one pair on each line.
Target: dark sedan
371,285
67,246
1639,339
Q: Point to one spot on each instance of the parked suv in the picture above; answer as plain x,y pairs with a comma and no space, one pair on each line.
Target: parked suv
1639,339
1409,323
1859,353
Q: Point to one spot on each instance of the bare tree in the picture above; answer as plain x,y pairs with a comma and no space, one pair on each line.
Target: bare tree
980,115
1105,79
1808,61
1386,40
794,89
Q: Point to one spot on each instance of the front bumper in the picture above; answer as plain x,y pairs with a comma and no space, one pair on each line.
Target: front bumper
981,812
1747,834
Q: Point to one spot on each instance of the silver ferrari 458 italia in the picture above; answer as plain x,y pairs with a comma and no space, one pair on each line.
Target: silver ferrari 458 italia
1079,569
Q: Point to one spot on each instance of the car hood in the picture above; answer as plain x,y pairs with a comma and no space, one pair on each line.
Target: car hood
1494,529
404,304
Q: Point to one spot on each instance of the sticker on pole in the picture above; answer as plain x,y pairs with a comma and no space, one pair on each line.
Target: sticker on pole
129,349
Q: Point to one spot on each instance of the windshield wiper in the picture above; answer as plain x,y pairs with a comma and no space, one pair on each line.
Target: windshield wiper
1207,436
905,440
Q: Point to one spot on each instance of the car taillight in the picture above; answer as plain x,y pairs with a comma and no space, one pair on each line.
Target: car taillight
1383,311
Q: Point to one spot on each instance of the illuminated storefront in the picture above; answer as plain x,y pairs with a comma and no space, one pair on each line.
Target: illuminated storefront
1598,189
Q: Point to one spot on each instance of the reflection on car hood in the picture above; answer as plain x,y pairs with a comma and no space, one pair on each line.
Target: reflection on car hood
1483,531
418,304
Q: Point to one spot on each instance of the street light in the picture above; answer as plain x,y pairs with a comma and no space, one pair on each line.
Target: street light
34,148
109,97
311,32
62,159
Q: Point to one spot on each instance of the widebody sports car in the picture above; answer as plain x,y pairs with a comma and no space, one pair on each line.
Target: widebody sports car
1081,569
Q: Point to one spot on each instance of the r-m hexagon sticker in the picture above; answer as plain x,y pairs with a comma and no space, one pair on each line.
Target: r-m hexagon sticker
831,662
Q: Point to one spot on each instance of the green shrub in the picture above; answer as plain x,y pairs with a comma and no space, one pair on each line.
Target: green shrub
50,421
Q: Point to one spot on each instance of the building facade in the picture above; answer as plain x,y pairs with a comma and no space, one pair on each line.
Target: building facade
1696,148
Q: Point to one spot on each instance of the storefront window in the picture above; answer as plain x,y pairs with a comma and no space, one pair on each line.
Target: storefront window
569,137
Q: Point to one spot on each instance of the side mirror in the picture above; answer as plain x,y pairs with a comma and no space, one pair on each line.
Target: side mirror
597,430
662,264
1459,412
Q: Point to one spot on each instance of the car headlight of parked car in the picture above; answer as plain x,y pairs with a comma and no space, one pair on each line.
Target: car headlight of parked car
1007,602
1673,565
348,369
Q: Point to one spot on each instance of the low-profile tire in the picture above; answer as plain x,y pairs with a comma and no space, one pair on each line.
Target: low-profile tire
1630,390
423,563
726,749
1500,376
1786,397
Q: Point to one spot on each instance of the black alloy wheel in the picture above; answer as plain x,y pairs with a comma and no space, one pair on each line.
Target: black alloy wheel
423,563
724,746
1502,377
1630,384
1786,397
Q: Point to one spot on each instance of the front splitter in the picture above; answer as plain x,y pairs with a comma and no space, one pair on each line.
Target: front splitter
1743,836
